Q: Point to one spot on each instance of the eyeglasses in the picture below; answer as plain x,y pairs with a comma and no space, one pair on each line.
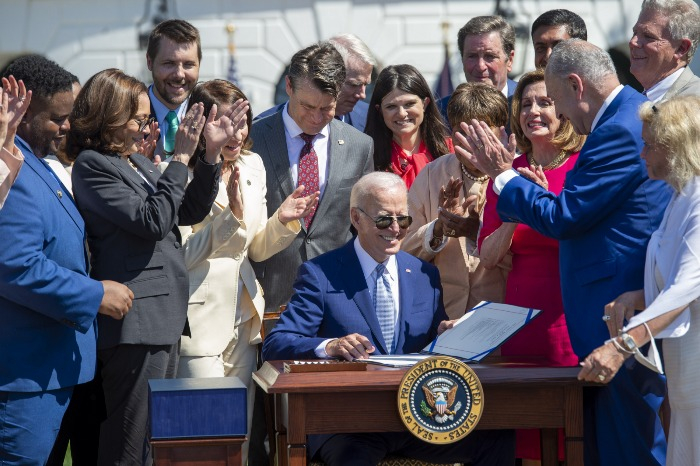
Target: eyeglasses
143,123
384,221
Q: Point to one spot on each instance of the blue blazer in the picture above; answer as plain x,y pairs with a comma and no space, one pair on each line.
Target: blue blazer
603,219
331,300
47,302
356,118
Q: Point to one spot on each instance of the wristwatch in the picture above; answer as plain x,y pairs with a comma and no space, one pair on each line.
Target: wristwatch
628,343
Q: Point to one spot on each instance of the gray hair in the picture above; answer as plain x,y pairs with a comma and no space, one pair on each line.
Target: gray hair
351,47
577,56
675,125
484,25
683,19
372,183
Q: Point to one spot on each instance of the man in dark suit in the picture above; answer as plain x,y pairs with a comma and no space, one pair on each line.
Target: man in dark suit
350,105
603,219
339,310
663,43
173,56
487,47
342,156
552,27
48,303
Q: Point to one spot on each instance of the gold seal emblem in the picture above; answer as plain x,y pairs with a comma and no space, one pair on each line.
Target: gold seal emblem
440,400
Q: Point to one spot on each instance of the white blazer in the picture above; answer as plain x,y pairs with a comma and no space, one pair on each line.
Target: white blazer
216,254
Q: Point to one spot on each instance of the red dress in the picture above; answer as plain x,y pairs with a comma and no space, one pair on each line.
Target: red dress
408,166
534,282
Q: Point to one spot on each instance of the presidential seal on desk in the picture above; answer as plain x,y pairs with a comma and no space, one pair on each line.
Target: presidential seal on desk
440,400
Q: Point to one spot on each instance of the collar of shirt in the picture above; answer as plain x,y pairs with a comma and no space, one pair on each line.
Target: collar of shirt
295,143
161,110
657,92
605,105
368,265
504,91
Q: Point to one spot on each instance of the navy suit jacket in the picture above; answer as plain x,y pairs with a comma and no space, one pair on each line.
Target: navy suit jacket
356,118
331,300
442,104
47,302
603,219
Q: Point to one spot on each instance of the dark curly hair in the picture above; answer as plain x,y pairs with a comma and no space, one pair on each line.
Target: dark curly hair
42,76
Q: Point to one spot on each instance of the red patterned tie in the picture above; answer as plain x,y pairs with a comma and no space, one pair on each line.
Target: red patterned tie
308,172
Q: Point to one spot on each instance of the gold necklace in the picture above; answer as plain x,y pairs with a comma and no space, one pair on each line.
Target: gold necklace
553,164
478,179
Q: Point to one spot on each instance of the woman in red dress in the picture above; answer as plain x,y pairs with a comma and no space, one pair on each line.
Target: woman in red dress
405,123
549,150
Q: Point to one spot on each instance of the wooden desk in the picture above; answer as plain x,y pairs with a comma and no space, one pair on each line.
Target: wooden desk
515,397
198,452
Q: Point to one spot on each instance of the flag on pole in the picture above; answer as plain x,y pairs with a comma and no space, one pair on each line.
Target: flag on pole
443,86
232,75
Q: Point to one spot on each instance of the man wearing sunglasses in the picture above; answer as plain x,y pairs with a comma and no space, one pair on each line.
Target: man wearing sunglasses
368,297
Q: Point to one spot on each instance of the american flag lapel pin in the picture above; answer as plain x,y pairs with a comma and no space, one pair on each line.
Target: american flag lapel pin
341,142
408,270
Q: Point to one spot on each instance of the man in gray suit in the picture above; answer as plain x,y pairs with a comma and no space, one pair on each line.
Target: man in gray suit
662,45
351,107
342,155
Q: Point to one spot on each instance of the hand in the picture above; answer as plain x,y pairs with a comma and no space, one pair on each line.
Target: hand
535,174
18,100
4,119
601,365
446,325
352,346
188,132
621,309
297,206
116,301
235,199
230,125
147,146
484,150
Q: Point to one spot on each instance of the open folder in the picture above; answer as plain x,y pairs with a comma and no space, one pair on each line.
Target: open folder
475,335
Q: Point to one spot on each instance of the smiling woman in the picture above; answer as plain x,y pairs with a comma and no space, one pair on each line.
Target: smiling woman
405,123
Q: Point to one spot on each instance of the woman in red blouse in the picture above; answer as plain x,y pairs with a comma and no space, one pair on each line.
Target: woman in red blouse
405,123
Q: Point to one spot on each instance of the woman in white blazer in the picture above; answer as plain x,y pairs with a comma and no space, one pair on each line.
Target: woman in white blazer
226,302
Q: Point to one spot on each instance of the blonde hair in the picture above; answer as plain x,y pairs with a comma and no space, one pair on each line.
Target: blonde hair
564,139
675,126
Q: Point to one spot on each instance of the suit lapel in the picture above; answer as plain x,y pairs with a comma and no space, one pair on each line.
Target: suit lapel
406,288
129,173
350,272
276,142
337,153
63,196
150,172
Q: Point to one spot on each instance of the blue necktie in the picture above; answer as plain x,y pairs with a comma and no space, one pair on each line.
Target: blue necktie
384,305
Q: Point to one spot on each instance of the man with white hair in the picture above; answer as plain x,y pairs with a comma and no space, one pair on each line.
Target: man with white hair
350,106
603,220
368,297
663,43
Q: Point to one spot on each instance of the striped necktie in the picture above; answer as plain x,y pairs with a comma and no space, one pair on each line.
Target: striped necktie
384,305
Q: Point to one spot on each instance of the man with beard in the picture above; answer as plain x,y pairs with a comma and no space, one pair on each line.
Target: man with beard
173,57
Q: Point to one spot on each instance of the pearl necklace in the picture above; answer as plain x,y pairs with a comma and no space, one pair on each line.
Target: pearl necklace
478,179
553,164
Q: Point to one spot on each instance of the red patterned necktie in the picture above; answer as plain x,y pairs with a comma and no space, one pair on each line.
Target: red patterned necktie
308,172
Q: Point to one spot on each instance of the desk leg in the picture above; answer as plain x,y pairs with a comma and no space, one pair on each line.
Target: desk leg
281,452
573,426
549,447
296,429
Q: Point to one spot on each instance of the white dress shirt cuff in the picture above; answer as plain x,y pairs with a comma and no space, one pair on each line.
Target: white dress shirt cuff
321,349
501,180
429,236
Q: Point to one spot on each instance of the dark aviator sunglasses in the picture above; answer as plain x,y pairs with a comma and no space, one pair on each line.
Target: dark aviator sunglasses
384,221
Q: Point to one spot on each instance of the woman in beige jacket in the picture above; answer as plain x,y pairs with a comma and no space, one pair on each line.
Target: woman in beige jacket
226,302
446,202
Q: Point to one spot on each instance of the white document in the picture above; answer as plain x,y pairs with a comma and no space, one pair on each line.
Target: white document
395,360
481,330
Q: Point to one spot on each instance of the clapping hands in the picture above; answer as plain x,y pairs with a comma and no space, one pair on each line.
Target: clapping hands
230,125
15,101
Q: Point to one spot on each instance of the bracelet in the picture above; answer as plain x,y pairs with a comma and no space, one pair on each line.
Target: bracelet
620,348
